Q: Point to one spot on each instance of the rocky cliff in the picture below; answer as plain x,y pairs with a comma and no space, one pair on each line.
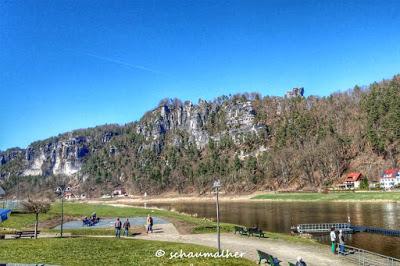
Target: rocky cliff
66,153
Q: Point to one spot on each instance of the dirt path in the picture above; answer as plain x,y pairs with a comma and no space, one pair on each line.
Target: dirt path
285,251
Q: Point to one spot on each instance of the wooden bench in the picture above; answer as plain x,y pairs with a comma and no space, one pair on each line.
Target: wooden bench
30,234
268,258
241,230
256,231
273,261
238,229
262,256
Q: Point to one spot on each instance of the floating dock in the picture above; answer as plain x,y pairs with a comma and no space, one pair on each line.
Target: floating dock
321,228
376,230
348,228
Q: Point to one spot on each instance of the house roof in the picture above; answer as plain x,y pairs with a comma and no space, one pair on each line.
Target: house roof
391,172
352,177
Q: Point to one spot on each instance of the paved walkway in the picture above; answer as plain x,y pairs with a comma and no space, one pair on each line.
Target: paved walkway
314,255
285,251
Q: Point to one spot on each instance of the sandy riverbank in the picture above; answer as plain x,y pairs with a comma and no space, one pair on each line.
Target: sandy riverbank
170,198
370,197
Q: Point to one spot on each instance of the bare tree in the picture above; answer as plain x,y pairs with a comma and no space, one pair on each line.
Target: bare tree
36,207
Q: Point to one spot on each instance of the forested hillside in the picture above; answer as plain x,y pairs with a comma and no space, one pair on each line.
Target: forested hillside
248,141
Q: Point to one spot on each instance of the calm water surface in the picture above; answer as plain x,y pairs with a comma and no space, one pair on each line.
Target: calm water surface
280,216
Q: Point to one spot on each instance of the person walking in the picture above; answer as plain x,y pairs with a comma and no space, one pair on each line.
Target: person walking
333,240
118,226
149,224
126,226
341,242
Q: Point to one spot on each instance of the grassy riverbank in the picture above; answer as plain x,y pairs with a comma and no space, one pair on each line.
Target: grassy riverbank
90,245
333,196
75,211
185,223
104,251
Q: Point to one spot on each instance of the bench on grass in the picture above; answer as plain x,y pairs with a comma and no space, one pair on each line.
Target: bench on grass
256,231
30,234
241,230
268,258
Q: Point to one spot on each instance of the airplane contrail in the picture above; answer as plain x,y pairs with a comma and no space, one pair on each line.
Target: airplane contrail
123,63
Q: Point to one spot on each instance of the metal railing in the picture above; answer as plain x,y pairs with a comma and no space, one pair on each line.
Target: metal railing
367,258
323,228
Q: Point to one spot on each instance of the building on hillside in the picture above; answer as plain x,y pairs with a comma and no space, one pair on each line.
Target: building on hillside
374,184
352,181
68,195
390,178
119,192
2,192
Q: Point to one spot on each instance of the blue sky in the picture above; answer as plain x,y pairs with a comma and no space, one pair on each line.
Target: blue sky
74,64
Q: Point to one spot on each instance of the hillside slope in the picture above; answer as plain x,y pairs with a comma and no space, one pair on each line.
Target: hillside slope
246,140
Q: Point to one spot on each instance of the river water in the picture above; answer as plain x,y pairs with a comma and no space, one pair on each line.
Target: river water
280,216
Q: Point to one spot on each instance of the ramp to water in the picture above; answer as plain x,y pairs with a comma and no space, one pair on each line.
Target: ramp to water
364,257
109,223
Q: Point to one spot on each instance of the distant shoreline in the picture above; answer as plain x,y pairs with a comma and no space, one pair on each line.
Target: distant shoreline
365,196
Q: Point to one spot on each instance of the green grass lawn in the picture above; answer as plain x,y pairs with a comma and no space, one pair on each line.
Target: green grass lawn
104,251
332,196
86,231
79,210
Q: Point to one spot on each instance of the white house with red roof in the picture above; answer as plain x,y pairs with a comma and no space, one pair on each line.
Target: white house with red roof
353,180
390,178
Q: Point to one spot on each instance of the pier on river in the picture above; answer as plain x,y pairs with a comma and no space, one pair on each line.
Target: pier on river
345,227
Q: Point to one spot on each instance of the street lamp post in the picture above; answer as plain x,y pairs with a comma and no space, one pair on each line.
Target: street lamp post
216,186
60,191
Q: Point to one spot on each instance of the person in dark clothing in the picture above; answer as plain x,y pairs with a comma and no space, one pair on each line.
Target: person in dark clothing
126,226
118,226
149,224
341,242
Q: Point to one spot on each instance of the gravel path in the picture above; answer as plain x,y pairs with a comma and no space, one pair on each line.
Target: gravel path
286,251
